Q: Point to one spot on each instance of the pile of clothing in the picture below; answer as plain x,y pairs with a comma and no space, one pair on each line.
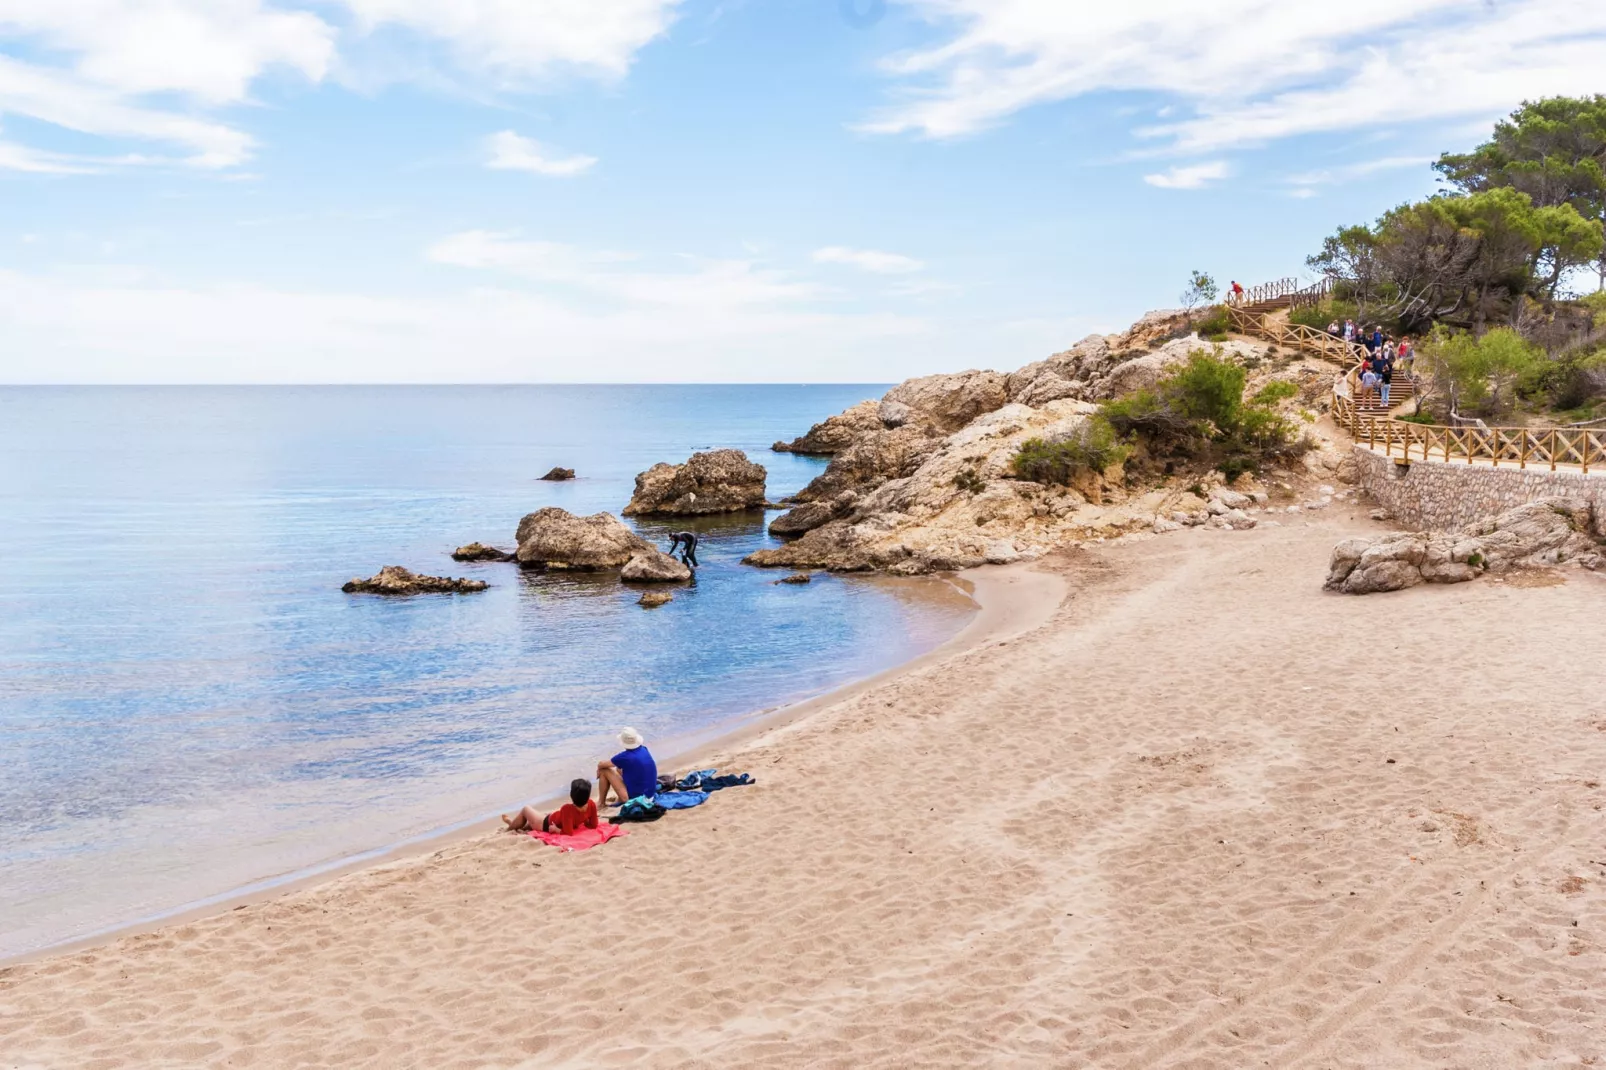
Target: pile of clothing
690,790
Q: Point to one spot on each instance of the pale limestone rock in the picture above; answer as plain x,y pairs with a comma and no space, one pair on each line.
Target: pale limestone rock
717,481
1539,534
835,433
654,566
554,538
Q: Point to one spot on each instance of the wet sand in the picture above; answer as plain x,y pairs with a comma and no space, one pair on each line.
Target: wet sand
1167,804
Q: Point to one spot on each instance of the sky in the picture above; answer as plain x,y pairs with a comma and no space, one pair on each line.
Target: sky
421,191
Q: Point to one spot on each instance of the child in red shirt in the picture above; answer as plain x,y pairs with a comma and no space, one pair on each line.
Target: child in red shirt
578,813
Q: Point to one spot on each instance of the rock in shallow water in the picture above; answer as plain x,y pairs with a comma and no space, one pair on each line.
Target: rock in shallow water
717,481
796,577
558,475
476,551
554,538
393,579
654,599
654,566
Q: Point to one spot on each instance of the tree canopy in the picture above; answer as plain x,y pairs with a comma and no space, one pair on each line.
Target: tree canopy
1525,211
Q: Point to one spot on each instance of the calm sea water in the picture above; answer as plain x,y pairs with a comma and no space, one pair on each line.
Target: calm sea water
189,704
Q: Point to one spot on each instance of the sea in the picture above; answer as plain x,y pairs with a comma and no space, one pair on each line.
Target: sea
191,709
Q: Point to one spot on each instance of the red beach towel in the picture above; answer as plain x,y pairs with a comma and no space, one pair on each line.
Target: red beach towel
582,839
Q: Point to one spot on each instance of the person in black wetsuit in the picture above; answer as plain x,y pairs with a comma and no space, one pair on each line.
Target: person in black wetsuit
686,542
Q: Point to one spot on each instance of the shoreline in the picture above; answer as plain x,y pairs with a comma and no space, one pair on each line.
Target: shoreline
1004,604
1169,826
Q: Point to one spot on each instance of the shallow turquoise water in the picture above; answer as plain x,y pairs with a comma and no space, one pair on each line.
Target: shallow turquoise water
189,704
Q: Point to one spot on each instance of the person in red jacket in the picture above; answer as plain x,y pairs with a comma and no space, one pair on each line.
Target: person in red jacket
578,813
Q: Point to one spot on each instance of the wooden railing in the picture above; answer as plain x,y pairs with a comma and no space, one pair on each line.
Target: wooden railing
1266,291
1522,446
1297,335
1313,295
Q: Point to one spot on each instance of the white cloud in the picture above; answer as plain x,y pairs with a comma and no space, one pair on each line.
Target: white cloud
707,286
111,54
513,43
1252,71
868,260
510,152
156,71
1196,176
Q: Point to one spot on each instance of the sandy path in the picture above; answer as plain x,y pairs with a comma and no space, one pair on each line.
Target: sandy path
1163,831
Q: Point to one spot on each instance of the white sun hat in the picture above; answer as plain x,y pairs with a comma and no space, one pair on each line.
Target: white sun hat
630,738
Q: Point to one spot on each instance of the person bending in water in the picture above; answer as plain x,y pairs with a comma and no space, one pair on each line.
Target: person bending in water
686,542
578,813
631,773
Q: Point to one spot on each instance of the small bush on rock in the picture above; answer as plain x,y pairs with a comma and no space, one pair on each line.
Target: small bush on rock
968,481
1216,325
1091,448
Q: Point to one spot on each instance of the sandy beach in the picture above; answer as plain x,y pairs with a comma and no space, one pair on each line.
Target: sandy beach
1167,804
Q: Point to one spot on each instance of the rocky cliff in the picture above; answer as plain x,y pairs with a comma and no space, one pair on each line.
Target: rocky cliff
921,480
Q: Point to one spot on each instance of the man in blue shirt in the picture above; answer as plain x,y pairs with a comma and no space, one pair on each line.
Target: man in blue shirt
631,773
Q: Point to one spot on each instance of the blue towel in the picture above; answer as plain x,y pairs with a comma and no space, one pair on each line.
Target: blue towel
680,800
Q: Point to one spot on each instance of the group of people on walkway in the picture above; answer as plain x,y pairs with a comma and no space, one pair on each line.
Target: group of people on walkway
1383,357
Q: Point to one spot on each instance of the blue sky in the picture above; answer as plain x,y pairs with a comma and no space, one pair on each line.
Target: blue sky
701,190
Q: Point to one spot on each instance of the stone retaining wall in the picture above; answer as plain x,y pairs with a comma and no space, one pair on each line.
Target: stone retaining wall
1440,496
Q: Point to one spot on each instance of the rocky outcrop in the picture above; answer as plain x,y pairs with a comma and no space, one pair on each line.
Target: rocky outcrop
558,475
808,516
873,459
554,538
928,486
796,578
478,551
718,481
393,579
654,599
949,505
1541,534
836,433
654,566
947,402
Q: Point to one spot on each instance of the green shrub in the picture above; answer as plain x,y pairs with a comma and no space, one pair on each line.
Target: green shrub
1275,391
1093,447
967,480
1216,325
1198,412
1475,560
1330,311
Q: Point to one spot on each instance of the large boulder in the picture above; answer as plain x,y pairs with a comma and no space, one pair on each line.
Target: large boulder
1553,531
654,566
559,475
835,433
719,481
554,538
393,579
949,402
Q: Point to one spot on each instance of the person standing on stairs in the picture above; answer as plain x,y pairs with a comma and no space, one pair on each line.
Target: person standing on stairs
1385,376
1349,330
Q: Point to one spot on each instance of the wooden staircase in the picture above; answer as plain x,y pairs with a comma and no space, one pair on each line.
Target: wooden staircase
1403,389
